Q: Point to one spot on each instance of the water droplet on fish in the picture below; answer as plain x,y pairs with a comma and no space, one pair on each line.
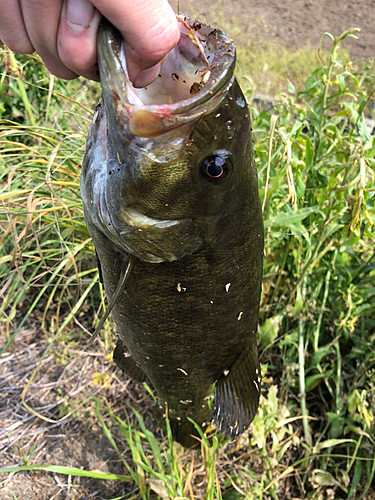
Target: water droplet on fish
241,102
229,124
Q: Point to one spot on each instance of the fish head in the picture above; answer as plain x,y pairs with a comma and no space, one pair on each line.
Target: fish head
173,155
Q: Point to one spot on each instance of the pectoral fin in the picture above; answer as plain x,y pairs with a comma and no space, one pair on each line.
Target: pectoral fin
126,363
237,394
116,295
99,268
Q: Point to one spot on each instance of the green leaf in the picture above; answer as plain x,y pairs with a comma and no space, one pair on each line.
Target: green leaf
329,443
363,129
287,218
71,471
232,495
309,153
270,329
329,36
313,380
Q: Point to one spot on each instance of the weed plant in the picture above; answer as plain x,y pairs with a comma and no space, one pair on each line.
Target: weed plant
313,434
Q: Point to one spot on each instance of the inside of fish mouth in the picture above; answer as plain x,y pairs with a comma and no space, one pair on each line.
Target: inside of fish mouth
183,73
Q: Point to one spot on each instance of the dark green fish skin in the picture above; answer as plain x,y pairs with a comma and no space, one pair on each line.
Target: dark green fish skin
188,315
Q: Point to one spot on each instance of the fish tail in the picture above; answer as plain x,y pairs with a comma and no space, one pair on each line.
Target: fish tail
183,430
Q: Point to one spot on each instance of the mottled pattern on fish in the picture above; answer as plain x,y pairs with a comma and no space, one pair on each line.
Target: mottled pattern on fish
182,202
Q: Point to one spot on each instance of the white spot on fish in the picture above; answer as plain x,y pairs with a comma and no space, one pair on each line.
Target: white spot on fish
217,116
241,102
180,288
226,373
161,366
256,385
240,315
182,371
211,301
227,286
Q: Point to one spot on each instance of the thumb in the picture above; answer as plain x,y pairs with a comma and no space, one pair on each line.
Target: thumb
150,30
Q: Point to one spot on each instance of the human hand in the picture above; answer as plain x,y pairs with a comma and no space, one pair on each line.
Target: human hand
64,33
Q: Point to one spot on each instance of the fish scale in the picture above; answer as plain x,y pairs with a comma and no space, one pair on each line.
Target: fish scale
187,313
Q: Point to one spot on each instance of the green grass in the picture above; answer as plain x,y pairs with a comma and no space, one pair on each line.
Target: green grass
313,434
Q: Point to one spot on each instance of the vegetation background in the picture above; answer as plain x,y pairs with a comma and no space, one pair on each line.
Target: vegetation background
71,425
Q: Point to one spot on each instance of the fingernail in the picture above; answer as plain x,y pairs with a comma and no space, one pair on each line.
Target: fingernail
79,14
146,76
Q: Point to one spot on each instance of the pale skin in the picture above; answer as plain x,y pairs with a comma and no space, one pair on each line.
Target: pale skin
64,33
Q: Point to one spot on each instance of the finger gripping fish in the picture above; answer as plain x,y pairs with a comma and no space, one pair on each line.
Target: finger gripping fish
170,196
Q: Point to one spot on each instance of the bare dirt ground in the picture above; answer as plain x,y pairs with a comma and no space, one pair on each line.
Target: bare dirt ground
80,442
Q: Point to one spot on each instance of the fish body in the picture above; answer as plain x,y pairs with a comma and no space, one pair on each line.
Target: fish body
169,184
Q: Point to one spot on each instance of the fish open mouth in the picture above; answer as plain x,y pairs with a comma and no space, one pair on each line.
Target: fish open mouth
193,77
184,70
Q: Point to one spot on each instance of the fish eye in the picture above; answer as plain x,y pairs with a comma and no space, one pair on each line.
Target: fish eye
216,167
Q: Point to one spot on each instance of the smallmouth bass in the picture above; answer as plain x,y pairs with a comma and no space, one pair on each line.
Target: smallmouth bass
170,196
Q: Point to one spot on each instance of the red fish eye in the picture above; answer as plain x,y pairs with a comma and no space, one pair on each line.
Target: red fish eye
215,168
